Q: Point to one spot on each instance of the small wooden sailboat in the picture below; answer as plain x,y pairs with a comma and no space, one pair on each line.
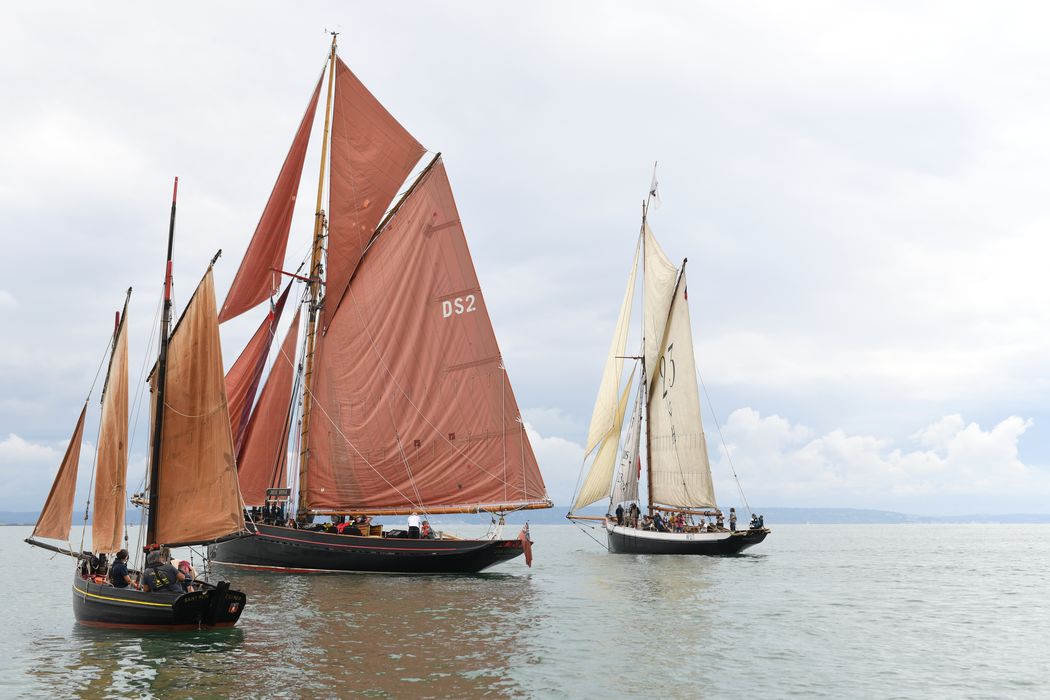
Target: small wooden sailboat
193,492
401,398
667,401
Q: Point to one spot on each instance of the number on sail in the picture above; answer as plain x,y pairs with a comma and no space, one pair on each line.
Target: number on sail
458,306
663,375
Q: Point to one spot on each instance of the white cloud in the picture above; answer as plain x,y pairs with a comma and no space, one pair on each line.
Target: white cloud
7,300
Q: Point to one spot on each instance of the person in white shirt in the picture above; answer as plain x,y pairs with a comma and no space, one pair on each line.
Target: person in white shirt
413,526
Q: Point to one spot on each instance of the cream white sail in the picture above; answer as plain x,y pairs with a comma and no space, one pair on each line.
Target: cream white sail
605,406
596,485
658,288
681,472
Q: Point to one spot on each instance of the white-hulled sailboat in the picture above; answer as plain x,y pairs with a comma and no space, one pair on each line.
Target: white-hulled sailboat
667,402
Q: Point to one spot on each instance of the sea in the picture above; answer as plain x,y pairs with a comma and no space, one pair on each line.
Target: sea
816,611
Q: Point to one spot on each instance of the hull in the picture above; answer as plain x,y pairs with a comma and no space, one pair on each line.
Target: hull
625,540
102,605
291,550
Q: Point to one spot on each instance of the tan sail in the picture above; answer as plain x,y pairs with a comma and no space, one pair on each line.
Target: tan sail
596,485
681,473
659,287
603,417
625,485
412,407
56,518
111,463
197,495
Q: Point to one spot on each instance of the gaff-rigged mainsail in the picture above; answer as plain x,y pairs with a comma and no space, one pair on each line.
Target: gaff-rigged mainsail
412,405
111,464
679,466
658,288
197,494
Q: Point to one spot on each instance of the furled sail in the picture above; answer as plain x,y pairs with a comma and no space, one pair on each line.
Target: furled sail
56,518
625,485
681,473
372,154
659,288
242,381
111,464
412,406
256,280
596,485
603,418
263,459
197,495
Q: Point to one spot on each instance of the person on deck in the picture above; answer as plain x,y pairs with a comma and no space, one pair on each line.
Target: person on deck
720,524
732,519
118,573
635,512
413,526
425,532
619,514
160,576
658,523
754,521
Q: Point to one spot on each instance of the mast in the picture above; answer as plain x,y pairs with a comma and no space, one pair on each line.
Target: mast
162,371
314,290
645,372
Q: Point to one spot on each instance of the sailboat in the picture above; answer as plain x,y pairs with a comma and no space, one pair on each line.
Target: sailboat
395,389
667,402
192,482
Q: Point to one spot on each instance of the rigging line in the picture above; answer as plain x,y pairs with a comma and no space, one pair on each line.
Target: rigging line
725,448
315,402
382,361
584,531
199,415
404,458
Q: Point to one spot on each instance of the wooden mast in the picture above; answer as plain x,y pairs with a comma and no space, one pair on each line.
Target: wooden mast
645,375
162,370
314,291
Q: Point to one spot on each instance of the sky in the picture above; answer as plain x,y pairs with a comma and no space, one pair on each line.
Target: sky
860,190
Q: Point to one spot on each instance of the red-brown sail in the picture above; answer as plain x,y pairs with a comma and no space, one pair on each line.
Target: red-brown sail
242,381
111,464
256,280
197,495
372,154
412,405
57,516
263,458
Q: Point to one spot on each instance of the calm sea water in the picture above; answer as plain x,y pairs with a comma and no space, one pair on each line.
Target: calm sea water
897,611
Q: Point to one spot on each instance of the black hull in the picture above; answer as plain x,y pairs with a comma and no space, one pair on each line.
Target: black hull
627,541
291,550
101,605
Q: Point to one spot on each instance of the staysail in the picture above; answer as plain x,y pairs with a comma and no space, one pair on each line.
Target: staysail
596,485
681,472
197,495
111,467
256,280
372,155
56,518
412,406
264,456
242,381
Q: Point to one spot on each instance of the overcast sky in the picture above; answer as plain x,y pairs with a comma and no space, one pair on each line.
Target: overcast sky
860,189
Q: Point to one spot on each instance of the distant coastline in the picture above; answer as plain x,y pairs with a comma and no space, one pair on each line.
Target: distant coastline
773,515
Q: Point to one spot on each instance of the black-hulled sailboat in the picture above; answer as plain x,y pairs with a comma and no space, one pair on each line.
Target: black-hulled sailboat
192,482
400,402
667,402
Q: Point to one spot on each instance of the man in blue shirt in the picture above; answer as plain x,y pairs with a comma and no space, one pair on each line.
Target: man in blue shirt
160,575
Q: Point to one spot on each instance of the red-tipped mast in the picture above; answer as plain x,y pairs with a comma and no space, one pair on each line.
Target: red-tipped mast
162,371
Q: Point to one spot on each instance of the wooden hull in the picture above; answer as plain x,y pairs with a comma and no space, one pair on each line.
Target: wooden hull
625,540
101,605
290,550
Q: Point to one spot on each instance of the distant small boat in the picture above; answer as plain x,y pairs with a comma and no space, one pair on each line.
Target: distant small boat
192,480
400,400
667,401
